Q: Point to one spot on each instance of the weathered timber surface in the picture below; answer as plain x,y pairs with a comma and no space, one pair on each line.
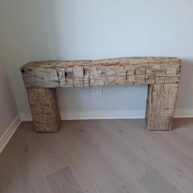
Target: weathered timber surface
161,106
118,71
44,108
161,74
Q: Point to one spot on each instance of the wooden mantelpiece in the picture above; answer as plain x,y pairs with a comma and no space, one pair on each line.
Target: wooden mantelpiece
161,74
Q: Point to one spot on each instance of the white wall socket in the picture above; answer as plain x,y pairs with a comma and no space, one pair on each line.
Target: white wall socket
97,91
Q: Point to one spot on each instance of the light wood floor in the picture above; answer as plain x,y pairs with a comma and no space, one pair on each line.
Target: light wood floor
100,156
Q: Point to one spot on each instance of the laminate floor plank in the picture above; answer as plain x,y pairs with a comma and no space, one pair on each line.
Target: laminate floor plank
171,162
84,154
99,156
63,181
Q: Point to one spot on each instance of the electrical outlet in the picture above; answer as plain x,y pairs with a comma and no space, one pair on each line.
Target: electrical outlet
97,91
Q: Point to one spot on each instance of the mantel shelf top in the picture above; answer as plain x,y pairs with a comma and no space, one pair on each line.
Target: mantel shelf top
103,62
107,72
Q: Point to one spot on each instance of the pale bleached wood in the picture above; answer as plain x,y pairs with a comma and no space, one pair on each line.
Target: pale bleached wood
161,106
158,149
108,156
44,108
117,71
63,181
160,73
155,182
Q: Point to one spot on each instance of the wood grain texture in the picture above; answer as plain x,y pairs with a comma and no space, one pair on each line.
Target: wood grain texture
161,74
44,108
63,181
117,71
161,106
155,182
104,156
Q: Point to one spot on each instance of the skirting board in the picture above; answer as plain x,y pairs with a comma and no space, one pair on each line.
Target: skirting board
4,139
136,114
184,113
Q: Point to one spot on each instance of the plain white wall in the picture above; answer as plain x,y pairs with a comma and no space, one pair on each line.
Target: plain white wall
94,29
8,111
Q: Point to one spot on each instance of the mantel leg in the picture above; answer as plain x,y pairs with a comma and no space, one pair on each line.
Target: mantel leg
44,108
161,106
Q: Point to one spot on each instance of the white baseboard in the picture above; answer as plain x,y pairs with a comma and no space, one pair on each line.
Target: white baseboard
88,115
184,113
138,114
26,116
4,139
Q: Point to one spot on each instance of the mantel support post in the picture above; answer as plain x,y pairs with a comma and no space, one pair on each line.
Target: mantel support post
44,108
160,109
161,106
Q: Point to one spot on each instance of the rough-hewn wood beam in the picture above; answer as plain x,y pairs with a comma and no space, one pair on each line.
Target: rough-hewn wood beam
161,106
44,108
119,71
161,74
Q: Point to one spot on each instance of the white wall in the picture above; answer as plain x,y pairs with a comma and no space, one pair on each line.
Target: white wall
92,29
8,110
